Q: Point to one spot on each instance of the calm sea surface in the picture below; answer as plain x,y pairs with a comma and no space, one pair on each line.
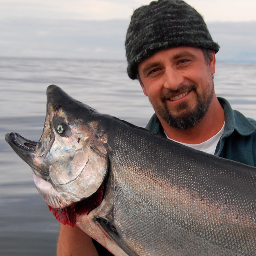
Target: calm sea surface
26,225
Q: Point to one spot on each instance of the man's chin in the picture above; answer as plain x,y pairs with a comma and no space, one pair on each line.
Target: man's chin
182,119
186,121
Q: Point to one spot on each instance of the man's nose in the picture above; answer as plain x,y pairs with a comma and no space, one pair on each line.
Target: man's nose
173,79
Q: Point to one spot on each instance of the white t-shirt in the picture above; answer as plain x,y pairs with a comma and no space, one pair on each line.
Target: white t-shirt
208,146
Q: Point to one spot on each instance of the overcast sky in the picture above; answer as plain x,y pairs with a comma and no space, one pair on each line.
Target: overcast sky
217,10
96,28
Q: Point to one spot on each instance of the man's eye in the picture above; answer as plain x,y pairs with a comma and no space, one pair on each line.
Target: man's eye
183,61
153,71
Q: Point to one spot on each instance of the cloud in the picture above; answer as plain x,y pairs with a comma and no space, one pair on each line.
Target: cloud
217,10
87,39
63,39
66,9
225,10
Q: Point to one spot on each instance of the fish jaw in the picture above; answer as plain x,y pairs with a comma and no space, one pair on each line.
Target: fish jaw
23,147
27,151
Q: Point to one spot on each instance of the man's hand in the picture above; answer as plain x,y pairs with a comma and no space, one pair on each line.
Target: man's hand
74,242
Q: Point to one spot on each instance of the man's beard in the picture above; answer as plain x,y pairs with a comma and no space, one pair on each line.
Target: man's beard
190,118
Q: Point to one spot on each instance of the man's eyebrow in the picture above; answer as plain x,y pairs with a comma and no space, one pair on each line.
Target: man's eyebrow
183,54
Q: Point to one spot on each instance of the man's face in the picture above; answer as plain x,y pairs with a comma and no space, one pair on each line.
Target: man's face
179,85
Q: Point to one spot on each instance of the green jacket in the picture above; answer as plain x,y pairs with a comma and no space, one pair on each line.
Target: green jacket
238,141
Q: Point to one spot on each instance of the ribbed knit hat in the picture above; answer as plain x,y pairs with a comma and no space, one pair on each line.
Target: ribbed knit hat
163,24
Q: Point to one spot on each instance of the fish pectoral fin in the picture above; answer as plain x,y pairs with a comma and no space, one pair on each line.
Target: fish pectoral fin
111,230
107,226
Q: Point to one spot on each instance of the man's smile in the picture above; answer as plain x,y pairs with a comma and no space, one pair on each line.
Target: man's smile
179,96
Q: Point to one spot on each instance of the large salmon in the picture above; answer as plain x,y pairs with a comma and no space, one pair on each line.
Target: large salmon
136,192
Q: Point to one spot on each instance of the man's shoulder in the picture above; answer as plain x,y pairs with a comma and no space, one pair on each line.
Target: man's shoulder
252,121
244,125
236,121
238,140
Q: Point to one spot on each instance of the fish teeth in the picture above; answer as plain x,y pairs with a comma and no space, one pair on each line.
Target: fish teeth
179,96
21,142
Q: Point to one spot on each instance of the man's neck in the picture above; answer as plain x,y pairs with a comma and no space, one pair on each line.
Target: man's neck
209,126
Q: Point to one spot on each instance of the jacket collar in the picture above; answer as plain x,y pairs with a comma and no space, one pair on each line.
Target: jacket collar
236,121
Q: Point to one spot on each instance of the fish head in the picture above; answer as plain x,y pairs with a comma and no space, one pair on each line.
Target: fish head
70,160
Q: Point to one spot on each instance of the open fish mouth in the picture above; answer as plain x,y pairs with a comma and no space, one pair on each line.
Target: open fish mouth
24,148
21,142
29,150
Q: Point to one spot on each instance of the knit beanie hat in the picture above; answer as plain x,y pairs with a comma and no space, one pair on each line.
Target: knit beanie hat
163,24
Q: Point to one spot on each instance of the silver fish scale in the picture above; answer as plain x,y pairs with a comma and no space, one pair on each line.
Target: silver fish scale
172,200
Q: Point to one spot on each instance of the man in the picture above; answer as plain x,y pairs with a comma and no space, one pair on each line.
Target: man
170,51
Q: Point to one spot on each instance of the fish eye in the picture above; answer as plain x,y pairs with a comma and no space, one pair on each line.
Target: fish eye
61,128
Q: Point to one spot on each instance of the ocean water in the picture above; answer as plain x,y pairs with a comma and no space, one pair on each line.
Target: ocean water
27,227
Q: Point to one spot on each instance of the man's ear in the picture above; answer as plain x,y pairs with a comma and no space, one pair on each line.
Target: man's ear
143,88
142,85
212,63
